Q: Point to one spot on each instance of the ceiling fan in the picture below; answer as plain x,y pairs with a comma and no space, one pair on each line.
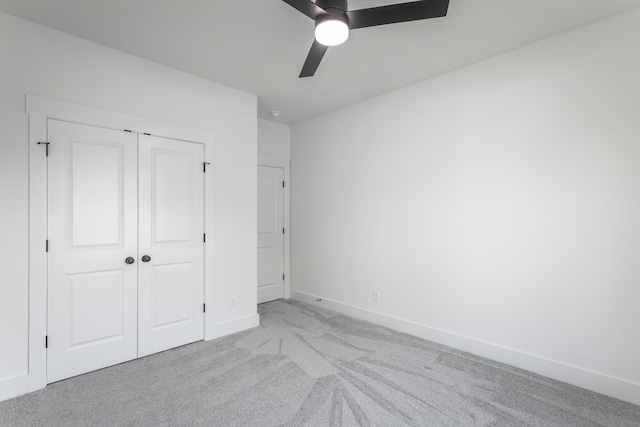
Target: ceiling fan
334,20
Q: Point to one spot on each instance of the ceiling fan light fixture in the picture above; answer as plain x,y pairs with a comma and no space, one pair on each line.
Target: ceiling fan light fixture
332,31
334,20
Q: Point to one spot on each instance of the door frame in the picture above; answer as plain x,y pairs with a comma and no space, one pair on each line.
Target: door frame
41,109
284,164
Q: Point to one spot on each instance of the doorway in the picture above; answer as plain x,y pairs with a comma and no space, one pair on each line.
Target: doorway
125,246
271,231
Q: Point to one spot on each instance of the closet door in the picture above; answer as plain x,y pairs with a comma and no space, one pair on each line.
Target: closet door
171,248
92,289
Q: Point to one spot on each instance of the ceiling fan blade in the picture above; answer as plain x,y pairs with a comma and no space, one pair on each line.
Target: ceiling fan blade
394,13
307,7
313,59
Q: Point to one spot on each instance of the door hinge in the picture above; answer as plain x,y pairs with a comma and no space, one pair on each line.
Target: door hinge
204,308
46,148
204,166
46,341
46,246
283,277
282,230
282,184
204,237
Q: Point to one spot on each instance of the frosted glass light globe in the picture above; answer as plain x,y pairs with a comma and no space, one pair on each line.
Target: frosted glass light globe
332,32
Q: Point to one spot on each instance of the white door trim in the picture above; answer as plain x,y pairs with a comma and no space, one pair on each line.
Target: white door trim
39,110
286,165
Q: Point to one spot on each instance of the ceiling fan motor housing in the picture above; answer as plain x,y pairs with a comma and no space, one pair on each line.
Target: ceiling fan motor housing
336,10
333,4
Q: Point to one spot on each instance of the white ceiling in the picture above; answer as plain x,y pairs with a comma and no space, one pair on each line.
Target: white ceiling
259,46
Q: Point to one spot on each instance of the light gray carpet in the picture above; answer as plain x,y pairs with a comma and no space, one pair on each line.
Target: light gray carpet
308,366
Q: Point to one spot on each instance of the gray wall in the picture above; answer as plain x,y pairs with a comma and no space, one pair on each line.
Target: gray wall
495,208
274,139
40,61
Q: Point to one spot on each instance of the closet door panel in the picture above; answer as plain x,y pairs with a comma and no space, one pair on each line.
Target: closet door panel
171,230
92,291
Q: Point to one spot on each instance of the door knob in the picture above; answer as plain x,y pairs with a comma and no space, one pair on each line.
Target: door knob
129,260
146,258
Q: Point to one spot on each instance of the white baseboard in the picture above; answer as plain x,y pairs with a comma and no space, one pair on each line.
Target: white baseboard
232,326
601,383
14,387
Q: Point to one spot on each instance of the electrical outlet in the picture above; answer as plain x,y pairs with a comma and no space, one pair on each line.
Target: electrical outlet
232,302
376,296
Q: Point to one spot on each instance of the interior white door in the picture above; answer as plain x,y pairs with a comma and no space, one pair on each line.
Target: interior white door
92,293
171,230
270,233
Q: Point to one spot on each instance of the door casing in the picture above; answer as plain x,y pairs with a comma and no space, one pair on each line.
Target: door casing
41,109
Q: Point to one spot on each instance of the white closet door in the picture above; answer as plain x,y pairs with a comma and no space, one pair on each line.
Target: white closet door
270,234
171,218
92,293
